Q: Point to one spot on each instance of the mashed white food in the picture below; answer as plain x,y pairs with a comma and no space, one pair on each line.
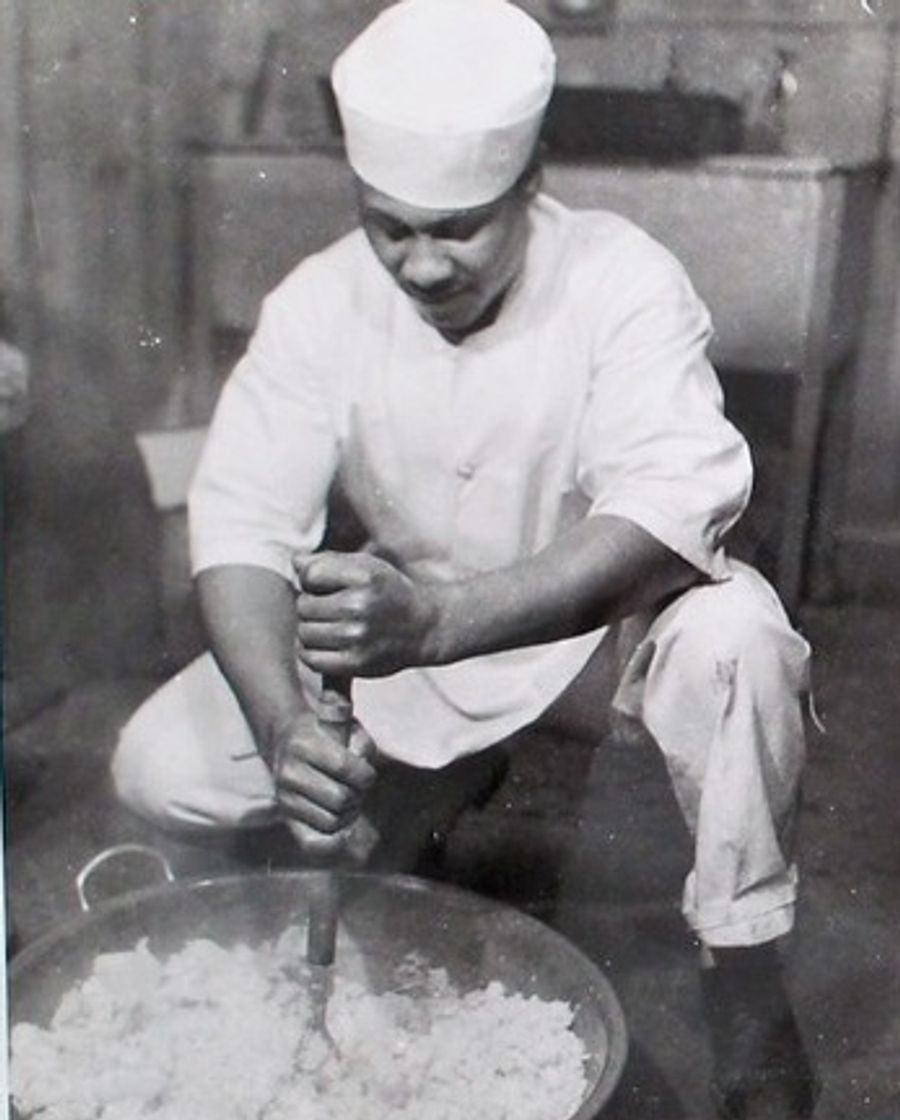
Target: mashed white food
214,1033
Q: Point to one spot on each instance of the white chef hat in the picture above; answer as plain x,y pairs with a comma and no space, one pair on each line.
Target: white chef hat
442,100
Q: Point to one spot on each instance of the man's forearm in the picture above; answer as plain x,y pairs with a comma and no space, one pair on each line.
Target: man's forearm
359,615
601,570
250,619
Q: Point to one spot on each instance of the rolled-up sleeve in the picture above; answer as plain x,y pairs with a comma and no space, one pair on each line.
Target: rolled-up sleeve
655,446
260,490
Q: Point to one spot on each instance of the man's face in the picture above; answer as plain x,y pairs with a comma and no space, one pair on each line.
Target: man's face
455,265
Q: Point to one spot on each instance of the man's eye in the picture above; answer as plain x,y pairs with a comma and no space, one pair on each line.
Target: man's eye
392,232
456,232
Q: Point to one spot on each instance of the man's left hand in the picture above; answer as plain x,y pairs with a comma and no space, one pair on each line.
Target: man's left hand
358,615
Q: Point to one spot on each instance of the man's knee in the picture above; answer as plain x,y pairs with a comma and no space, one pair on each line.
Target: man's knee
721,633
186,760
140,782
151,784
186,773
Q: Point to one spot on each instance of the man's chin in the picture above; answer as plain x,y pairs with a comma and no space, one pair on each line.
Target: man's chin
459,319
446,317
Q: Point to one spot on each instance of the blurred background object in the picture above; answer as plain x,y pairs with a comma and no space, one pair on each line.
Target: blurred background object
14,397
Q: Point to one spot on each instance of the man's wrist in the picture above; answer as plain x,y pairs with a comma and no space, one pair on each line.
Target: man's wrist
444,631
274,725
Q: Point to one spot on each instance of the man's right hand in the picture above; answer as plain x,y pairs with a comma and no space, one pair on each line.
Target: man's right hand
319,782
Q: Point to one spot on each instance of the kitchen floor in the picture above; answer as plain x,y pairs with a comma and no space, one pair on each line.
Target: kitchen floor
594,846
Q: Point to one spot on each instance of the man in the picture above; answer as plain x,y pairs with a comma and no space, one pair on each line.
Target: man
516,402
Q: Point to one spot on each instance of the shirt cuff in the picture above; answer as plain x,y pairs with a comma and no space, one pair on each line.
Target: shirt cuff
218,555
676,535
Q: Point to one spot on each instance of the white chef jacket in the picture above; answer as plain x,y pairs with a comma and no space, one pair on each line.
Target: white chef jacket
590,394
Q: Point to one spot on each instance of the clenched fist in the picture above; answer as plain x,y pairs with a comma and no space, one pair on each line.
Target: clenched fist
358,615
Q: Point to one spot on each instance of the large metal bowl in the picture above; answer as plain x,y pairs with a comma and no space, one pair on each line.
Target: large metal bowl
386,917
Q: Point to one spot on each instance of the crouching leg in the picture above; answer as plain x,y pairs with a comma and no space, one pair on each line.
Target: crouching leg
186,760
720,682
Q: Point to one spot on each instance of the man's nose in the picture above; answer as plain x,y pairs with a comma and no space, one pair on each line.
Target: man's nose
426,266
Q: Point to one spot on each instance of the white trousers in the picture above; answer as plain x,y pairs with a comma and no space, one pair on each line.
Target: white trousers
718,678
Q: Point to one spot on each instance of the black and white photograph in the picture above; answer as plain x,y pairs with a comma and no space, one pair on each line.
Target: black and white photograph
451,555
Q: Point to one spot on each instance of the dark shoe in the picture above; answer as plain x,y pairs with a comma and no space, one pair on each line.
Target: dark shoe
761,1070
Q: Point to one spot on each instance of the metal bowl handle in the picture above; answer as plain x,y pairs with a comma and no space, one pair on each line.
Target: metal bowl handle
81,879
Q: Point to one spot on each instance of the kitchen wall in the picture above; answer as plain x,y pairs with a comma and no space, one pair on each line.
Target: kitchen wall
100,100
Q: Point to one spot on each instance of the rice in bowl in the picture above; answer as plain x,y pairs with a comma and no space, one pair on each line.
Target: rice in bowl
216,1033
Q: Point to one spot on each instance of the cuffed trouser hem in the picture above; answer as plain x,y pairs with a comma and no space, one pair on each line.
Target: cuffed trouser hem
746,931
752,917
